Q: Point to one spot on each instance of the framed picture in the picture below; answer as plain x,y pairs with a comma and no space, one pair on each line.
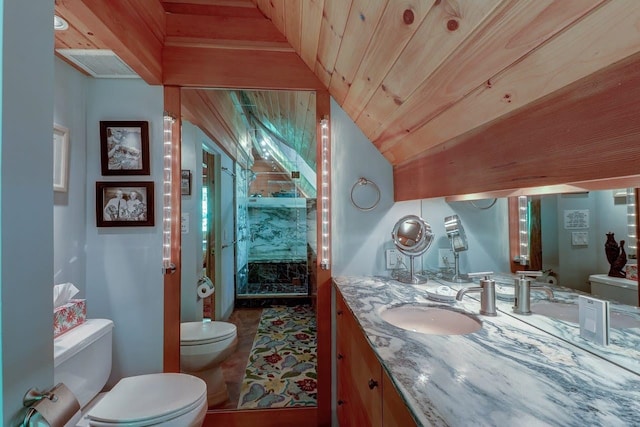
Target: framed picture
185,182
60,158
124,204
124,148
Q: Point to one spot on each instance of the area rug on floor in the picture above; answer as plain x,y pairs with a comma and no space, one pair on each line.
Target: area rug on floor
281,371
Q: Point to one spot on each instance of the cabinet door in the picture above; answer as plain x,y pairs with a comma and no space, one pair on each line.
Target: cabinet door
358,373
394,410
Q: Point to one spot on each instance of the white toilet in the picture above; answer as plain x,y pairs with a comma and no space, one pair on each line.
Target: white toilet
82,361
203,347
617,289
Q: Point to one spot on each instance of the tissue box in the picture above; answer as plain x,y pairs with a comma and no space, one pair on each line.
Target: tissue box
632,271
69,316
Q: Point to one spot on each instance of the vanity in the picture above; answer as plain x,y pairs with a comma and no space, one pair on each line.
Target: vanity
514,370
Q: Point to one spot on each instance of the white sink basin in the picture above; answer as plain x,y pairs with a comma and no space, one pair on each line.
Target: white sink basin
569,313
429,319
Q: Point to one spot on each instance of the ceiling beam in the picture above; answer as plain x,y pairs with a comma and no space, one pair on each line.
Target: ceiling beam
236,68
214,27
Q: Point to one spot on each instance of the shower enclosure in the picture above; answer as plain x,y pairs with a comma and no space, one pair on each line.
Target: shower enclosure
276,239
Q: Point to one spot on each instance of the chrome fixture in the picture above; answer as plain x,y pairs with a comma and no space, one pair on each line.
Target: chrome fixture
487,291
458,239
522,291
412,236
362,183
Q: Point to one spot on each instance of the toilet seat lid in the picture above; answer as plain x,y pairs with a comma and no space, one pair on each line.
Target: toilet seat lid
192,333
148,399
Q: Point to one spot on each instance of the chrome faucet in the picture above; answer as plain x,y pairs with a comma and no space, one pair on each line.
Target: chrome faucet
522,291
487,291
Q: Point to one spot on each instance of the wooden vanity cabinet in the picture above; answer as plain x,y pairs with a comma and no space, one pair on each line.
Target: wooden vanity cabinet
365,394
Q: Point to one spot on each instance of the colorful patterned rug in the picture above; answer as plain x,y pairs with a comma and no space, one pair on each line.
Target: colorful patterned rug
281,371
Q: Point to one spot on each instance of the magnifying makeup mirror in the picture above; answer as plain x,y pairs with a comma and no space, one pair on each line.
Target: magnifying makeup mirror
458,239
412,236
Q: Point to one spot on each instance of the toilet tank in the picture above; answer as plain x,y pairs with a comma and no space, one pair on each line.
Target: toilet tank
82,358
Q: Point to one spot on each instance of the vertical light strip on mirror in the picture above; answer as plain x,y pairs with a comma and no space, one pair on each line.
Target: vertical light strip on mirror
523,229
167,265
325,193
631,222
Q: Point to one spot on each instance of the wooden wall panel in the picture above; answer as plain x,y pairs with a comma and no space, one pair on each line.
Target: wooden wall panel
279,417
216,8
585,132
171,357
334,21
532,78
152,15
361,24
117,25
323,313
292,15
311,22
210,27
197,109
397,25
445,28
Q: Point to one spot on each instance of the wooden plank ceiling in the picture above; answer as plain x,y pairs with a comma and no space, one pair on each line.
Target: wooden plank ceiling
425,80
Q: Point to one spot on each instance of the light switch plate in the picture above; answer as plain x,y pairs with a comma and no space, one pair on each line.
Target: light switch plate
445,258
594,319
579,238
394,257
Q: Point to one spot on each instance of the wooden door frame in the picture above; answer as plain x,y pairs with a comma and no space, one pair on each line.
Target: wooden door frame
323,279
171,345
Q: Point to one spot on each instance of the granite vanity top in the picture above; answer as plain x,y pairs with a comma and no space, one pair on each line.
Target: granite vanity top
508,373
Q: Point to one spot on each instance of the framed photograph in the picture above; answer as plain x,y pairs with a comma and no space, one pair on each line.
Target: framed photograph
185,182
124,148
124,204
60,158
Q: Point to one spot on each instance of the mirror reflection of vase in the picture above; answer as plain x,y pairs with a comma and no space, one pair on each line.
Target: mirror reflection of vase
616,256
611,248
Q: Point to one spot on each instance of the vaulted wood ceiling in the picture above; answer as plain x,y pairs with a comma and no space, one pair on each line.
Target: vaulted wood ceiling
460,96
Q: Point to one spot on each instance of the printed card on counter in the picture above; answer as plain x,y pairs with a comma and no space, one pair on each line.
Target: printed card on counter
594,319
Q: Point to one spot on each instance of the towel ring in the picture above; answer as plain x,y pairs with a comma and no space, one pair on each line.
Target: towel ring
361,182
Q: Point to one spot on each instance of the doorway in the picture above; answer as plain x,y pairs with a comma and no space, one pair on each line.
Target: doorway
289,190
277,200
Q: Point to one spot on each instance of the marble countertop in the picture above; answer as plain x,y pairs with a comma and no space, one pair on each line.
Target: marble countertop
508,373
624,342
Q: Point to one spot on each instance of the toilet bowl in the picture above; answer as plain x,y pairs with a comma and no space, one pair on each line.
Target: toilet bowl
203,348
82,361
153,399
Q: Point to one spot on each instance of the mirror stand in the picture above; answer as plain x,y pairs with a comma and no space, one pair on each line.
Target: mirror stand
412,236
411,277
457,277
458,240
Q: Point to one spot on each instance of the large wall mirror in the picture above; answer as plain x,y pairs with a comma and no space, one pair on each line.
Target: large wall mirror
253,156
565,236
568,237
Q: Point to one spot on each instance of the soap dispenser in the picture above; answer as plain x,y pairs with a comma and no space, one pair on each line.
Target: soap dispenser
487,291
522,291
